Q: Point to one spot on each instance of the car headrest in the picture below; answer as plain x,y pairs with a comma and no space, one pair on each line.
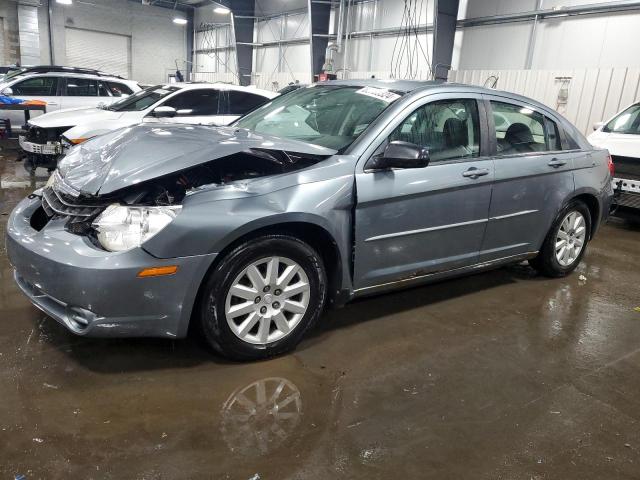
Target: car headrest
455,133
518,134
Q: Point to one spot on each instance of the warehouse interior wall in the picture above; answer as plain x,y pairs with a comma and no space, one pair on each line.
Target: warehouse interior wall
588,41
155,46
156,42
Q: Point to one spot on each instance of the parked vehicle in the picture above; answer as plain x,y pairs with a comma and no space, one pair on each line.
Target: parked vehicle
621,136
325,194
63,89
192,103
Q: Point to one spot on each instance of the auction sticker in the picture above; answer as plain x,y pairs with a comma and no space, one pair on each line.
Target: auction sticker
379,93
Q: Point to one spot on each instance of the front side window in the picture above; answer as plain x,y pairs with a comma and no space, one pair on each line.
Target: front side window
82,87
331,116
627,121
142,99
522,130
449,129
195,102
45,86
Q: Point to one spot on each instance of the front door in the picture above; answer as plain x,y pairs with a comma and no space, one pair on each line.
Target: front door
198,106
413,222
533,177
43,88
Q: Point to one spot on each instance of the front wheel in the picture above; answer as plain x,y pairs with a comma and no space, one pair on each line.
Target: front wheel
566,242
263,297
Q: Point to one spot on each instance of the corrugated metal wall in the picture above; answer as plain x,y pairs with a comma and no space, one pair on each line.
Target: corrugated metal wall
593,94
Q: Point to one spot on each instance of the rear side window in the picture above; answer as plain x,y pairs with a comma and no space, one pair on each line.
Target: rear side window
449,129
238,103
521,129
195,102
45,86
82,87
119,89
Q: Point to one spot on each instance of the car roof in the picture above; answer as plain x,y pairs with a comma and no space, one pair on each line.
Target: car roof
436,86
405,86
91,76
222,86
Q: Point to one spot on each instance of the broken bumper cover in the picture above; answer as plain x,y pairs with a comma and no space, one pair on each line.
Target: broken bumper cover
49,148
97,293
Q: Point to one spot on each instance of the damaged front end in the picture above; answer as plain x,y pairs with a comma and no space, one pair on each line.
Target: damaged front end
121,190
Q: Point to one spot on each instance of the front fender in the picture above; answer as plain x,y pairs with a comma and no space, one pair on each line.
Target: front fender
205,227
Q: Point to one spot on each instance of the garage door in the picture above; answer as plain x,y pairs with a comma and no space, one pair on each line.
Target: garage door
103,51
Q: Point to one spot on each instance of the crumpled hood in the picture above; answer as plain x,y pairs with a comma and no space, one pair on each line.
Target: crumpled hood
135,154
74,116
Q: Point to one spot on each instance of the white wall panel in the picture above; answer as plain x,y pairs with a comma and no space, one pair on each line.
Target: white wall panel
487,8
495,46
296,26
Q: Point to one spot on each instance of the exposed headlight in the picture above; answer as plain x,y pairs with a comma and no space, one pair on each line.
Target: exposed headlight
122,228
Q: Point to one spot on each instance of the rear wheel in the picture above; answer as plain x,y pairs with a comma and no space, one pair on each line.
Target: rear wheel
566,242
263,297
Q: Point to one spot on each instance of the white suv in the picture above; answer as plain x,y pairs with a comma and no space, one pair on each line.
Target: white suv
64,89
190,103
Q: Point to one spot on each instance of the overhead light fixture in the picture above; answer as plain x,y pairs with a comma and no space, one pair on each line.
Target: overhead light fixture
222,10
65,2
180,21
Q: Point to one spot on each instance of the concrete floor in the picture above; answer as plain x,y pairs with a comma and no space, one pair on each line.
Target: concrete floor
499,375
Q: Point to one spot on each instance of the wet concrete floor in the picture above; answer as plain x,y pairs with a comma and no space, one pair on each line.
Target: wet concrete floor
503,375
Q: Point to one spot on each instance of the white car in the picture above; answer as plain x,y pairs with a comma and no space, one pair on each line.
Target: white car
621,136
61,89
189,103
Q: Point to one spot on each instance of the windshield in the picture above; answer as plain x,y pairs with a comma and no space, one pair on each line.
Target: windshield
331,116
13,72
628,121
142,99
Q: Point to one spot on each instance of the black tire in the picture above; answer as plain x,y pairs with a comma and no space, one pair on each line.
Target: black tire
211,310
546,262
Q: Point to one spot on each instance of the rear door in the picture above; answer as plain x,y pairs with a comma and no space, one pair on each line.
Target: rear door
533,177
414,222
84,92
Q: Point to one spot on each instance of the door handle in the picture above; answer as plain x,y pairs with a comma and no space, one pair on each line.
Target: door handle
555,163
55,104
474,172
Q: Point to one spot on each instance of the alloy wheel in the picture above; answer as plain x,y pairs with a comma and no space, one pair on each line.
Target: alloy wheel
267,300
571,238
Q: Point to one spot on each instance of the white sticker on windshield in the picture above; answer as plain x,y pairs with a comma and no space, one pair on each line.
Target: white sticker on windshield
379,93
161,91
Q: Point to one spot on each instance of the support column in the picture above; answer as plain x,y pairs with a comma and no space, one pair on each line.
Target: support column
29,35
319,14
243,16
444,31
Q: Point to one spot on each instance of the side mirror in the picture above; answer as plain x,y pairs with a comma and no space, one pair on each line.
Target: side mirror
400,155
164,112
7,91
597,125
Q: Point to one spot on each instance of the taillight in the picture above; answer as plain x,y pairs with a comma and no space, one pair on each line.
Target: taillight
612,167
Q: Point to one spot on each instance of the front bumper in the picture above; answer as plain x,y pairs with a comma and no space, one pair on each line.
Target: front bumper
97,293
49,148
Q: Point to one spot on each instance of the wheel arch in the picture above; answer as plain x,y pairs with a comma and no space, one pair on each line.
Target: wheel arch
590,199
314,234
